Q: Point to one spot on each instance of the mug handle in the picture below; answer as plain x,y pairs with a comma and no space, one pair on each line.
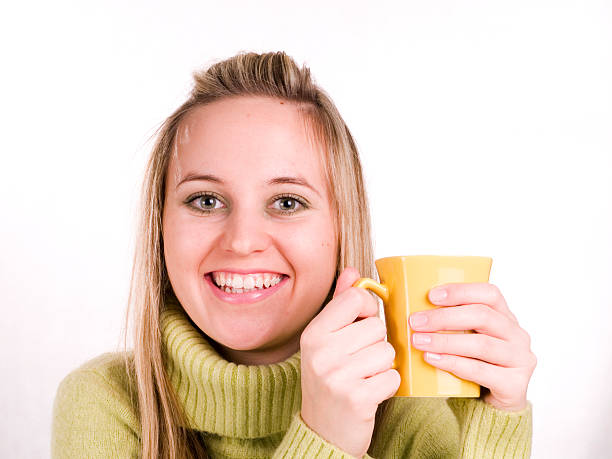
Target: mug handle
370,284
381,290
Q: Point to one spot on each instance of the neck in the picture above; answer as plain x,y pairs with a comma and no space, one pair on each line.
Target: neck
260,356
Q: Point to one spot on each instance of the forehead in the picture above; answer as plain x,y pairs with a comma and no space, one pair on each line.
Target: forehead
262,136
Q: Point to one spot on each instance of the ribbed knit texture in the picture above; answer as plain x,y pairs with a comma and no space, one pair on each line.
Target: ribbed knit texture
221,397
252,411
488,434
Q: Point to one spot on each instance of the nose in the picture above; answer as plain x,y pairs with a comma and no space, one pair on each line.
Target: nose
245,232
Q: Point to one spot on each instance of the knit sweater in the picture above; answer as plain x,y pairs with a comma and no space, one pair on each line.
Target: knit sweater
253,411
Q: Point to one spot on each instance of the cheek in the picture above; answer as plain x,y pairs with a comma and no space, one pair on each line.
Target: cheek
182,242
312,250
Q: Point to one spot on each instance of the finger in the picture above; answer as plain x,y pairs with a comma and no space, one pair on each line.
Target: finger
473,345
382,386
478,317
370,361
507,386
345,281
471,293
480,372
346,278
361,334
346,306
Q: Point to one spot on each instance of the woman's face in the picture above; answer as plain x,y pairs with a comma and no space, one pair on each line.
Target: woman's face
247,205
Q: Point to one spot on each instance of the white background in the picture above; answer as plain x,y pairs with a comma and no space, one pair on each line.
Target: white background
485,128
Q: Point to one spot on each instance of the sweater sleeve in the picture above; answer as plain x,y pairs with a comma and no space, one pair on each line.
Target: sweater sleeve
427,428
487,432
300,441
93,418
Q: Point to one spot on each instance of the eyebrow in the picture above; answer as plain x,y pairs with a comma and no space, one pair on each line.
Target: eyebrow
203,177
274,181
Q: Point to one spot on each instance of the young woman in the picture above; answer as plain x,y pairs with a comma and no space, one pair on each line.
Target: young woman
249,340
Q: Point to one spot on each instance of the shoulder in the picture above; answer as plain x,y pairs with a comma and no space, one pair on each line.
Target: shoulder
95,408
96,380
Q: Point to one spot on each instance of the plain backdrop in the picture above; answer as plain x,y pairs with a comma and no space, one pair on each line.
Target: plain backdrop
485,128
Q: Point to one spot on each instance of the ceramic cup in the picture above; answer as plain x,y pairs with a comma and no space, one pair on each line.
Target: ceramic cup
404,284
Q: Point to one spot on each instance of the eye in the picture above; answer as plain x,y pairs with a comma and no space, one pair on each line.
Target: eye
289,204
204,202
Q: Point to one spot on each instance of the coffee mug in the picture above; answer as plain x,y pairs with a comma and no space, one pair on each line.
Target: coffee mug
404,284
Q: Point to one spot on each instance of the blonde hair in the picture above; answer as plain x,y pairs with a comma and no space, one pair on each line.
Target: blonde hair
273,75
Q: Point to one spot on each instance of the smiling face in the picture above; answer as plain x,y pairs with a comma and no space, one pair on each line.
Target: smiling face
247,205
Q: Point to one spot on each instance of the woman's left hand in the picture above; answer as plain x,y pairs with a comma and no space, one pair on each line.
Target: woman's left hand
497,356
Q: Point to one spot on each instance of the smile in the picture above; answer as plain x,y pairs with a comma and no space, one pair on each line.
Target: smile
242,283
237,288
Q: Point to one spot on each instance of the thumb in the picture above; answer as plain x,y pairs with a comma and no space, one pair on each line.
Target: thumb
345,280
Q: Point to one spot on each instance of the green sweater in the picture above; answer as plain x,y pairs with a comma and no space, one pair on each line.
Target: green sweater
254,411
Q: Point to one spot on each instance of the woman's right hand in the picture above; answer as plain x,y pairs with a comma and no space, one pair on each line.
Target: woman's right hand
346,367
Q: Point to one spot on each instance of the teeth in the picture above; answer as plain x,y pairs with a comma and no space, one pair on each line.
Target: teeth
249,283
236,283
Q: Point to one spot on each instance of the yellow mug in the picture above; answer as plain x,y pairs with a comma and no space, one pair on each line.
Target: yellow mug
405,283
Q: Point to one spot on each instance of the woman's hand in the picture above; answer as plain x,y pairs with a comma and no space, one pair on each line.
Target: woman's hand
346,367
497,356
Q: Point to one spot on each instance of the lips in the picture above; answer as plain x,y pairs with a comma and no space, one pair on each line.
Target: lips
235,282
250,296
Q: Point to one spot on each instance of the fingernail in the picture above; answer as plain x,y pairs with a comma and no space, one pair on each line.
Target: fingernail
437,294
418,319
432,356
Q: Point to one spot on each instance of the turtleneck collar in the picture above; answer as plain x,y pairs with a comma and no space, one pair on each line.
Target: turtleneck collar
221,397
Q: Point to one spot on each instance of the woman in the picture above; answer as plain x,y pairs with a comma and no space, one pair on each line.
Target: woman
247,338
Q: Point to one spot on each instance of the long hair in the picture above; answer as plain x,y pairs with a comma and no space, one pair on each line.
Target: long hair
273,75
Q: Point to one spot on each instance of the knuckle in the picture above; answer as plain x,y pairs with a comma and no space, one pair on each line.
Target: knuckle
495,289
354,400
358,298
304,339
307,339
390,382
334,384
533,361
526,337
442,341
319,364
378,327
495,292
359,294
352,294
481,345
450,363
480,369
395,379
517,379
388,388
482,315
389,351
521,337
370,301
